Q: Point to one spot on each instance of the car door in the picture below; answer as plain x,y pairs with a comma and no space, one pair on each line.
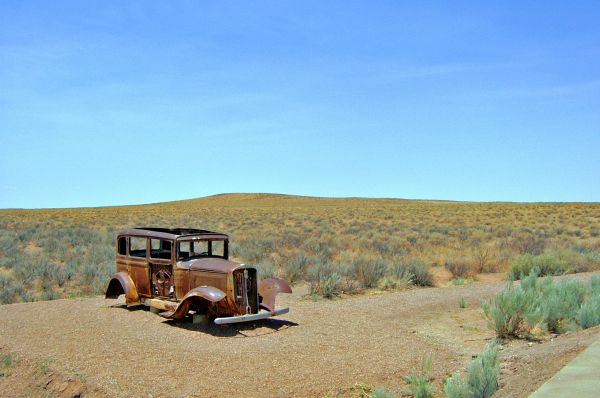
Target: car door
137,263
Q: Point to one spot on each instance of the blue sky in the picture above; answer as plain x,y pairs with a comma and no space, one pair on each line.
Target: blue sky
106,103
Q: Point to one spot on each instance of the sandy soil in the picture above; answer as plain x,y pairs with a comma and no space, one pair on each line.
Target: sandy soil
96,348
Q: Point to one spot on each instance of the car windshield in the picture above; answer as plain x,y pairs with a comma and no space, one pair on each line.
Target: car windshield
194,248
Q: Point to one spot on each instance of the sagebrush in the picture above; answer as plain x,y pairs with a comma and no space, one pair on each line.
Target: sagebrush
540,305
52,253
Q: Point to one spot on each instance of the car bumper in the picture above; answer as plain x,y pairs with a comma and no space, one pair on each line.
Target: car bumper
251,317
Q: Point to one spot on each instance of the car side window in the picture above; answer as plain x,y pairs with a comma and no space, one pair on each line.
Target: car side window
122,246
218,248
137,246
160,248
184,249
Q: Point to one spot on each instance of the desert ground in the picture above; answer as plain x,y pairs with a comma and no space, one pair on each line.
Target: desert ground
98,348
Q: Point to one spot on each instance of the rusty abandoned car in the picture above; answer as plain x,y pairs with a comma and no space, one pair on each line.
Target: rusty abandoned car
180,270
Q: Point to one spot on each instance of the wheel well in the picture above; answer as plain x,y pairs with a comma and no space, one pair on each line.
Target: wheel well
115,289
199,304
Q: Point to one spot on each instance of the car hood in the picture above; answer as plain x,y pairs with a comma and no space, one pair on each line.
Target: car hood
211,264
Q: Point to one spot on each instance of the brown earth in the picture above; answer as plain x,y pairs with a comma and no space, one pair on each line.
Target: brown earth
97,348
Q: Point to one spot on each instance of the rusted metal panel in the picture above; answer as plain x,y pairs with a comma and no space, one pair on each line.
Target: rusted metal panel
199,297
269,288
181,281
121,283
201,278
210,264
121,263
140,275
161,304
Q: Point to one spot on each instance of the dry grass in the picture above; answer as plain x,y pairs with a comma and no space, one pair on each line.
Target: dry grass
51,253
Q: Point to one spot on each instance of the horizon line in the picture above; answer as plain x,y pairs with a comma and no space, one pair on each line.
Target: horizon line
301,196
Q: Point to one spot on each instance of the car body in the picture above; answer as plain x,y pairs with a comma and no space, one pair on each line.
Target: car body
178,270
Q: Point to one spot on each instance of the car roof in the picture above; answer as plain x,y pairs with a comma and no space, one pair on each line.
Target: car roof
172,233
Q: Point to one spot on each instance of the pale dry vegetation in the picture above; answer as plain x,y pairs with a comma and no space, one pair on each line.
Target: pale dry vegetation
337,246
539,305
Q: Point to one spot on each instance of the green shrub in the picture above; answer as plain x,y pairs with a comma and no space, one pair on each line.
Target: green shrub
589,313
71,270
541,302
290,239
511,312
482,377
295,269
460,281
348,282
483,372
7,361
99,253
559,304
368,271
48,295
362,390
420,384
266,270
392,248
7,242
580,258
381,392
60,276
543,264
324,280
25,270
415,269
11,290
331,285
596,285
247,252
313,245
456,387
94,277
393,283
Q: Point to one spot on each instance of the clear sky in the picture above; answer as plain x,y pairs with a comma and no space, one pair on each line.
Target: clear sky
122,102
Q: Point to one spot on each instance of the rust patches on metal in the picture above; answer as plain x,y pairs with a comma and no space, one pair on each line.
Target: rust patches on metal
268,290
182,269
121,283
199,298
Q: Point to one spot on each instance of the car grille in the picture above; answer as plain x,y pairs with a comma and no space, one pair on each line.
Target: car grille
246,290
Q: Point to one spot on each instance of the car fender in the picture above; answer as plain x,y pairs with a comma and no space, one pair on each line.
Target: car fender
121,283
268,289
200,296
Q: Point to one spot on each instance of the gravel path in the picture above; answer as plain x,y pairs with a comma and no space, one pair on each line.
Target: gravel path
99,348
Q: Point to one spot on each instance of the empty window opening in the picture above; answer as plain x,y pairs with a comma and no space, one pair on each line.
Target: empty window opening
137,246
160,248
